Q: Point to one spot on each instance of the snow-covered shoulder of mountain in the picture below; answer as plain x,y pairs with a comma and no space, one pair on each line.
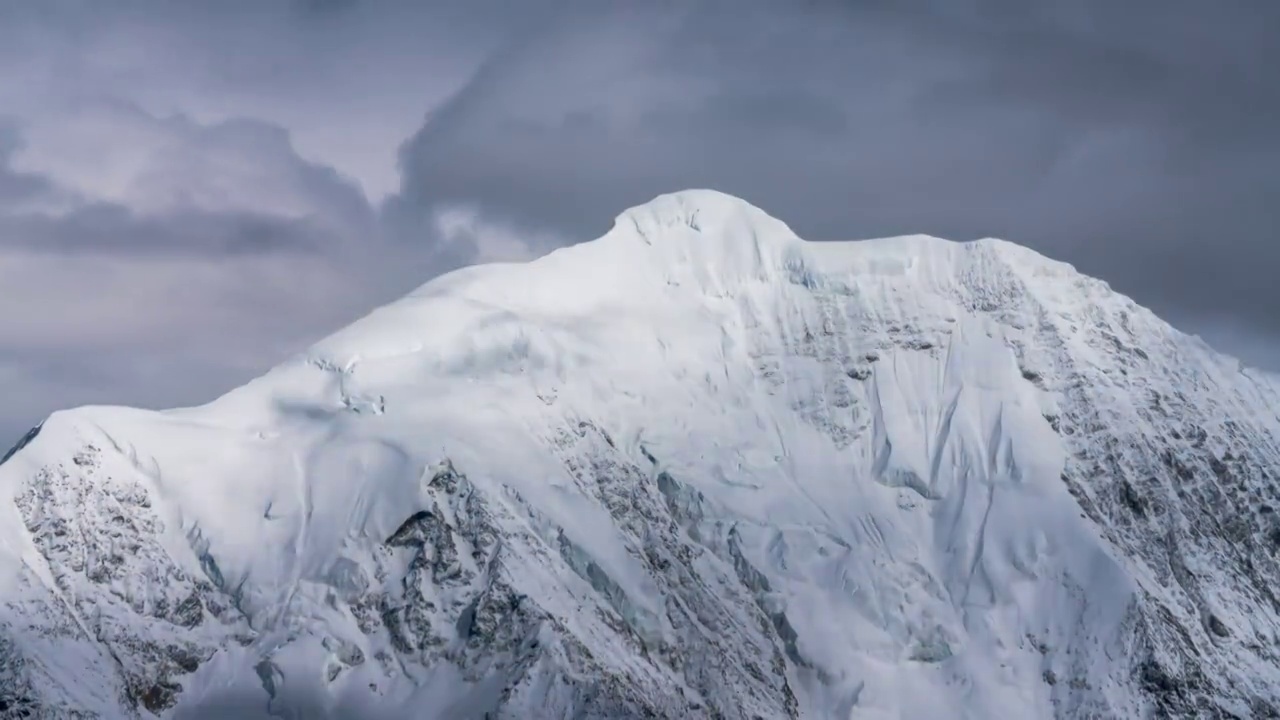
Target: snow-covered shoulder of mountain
698,467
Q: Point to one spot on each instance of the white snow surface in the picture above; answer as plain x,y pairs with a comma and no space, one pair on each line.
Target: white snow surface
698,467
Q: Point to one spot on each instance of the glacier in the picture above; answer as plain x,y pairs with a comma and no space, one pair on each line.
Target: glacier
698,467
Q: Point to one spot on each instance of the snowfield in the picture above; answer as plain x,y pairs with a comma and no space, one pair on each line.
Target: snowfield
696,468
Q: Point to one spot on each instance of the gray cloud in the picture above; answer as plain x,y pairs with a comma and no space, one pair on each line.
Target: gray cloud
217,251
350,80
233,187
106,228
190,192
17,187
1136,140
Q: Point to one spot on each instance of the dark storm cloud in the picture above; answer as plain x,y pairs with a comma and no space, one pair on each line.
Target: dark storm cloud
1137,140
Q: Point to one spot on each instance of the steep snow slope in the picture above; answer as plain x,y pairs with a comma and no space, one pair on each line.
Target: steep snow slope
695,468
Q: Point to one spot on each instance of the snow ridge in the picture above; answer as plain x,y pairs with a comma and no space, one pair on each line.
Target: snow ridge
698,467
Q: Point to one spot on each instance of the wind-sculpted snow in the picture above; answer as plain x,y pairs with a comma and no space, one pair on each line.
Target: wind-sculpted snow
695,468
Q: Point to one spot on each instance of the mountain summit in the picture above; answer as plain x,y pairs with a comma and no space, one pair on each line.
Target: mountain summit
697,468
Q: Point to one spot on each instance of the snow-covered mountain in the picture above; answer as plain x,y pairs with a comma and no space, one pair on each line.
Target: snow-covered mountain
696,468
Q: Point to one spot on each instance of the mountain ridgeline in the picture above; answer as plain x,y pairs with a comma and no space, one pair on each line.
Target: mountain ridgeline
697,468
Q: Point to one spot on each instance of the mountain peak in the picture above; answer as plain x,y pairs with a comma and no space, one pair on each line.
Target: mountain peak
696,468
707,212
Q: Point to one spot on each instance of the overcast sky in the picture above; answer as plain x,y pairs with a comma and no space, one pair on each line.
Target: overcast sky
192,191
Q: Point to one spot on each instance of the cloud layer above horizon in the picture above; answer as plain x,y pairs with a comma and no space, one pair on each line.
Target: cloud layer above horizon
190,192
